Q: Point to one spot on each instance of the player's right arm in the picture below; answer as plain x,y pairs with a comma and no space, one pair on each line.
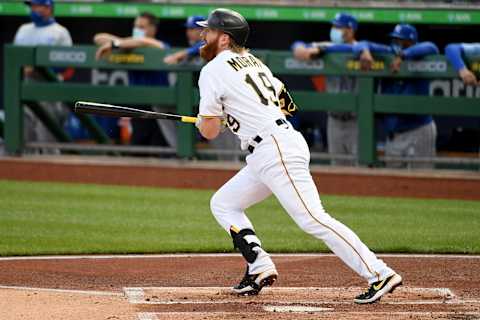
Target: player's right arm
21,39
103,38
210,113
128,43
364,49
454,53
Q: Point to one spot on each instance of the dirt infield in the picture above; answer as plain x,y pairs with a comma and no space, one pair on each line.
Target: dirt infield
196,287
211,175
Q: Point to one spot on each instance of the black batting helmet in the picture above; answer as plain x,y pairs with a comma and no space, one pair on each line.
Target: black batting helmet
230,22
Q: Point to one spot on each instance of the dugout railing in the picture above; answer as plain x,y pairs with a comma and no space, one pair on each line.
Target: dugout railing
184,94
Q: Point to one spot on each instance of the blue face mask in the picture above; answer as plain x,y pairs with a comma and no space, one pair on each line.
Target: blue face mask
138,33
39,21
336,36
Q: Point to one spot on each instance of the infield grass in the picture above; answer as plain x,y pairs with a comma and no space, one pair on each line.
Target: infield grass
55,218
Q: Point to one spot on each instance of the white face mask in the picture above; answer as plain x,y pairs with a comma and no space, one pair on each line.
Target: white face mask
138,33
336,36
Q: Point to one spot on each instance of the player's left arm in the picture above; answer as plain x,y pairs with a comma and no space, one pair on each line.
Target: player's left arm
420,50
179,56
288,107
285,100
65,39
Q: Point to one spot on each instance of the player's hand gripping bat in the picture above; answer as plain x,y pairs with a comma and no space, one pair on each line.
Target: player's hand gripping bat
119,111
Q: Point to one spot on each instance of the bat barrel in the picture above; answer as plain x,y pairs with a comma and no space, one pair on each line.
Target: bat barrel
110,110
119,111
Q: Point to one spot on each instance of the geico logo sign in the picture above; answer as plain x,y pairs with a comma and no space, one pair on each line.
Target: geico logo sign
68,56
291,63
427,66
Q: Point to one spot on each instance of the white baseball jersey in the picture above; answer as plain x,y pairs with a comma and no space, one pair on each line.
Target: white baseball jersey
242,89
52,35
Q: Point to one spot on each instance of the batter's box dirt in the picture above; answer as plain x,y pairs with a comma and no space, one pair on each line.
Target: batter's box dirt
322,295
297,303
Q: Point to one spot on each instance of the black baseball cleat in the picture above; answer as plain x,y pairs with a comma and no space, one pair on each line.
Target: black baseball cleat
379,289
251,284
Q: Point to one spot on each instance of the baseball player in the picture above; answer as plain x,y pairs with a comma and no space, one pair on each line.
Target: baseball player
238,90
455,52
407,135
193,34
342,130
43,30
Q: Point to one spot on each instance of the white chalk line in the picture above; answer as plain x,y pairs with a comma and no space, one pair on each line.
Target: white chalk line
216,255
328,313
287,308
413,302
136,295
147,316
444,292
86,292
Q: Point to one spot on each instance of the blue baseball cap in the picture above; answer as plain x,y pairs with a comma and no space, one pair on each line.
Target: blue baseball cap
345,20
191,22
404,32
48,3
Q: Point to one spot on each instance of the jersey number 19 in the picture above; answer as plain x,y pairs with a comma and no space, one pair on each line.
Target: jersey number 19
271,95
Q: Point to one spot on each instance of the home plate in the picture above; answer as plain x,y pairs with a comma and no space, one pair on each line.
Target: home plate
295,309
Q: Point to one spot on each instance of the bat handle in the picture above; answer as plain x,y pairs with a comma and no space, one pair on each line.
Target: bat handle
188,119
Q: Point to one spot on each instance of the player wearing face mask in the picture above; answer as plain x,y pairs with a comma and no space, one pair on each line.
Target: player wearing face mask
407,135
342,129
43,30
144,30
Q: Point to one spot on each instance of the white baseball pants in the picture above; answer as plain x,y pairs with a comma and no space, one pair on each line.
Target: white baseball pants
280,165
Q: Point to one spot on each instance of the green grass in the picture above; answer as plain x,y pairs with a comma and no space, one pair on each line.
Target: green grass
55,218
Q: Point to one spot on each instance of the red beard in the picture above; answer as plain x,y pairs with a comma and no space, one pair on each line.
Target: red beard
209,50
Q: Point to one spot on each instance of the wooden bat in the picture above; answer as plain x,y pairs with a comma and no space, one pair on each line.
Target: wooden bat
111,110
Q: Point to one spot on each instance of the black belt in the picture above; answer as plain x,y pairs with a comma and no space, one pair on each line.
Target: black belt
259,139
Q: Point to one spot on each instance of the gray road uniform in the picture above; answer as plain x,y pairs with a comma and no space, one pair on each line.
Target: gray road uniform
342,128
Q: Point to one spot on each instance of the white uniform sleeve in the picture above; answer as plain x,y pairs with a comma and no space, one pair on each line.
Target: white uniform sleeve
471,50
18,36
65,39
210,95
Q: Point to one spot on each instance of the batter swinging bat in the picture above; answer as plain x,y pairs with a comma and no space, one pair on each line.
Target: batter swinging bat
119,111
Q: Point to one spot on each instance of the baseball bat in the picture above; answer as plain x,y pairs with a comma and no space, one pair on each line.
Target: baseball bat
111,110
